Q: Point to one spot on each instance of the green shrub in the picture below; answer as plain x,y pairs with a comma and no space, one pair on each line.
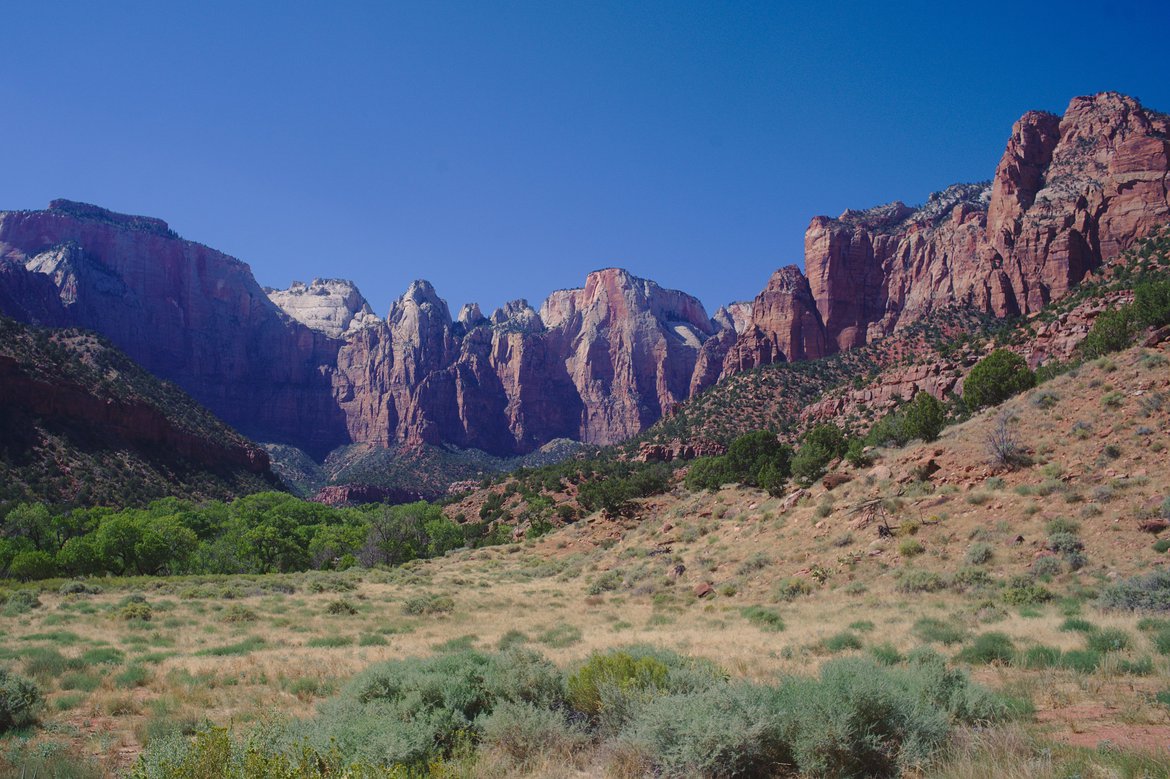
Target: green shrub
428,603
1077,625
626,674
841,642
1112,331
21,602
738,729
342,608
1038,657
766,619
978,553
995,378
1151,302
912,580
934,630
793,588
1162,545
924,417
560,636
527,734
1108,640
19,701
989,648
1082,661
1021,592
886,654
1047,567
910,547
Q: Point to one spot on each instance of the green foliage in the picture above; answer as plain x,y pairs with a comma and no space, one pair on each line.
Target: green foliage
766,619
19,701
1108,640
614,674
934,630
978,553
1112,331
755,459
995,378
265,532
989,648
922,418
1151,304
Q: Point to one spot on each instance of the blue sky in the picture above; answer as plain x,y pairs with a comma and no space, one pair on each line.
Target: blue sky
505,149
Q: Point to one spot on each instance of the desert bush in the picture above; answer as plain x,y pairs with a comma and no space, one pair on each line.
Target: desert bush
341,607
766,619
1108,640
910,547
912,580
840,642
428,603
995,378
1038,657
978,553
1083,661
20,700
79,588
21,602
1004,445
526,734
1149,592
619,673
989,648
1045,567
934,630
793,588
136,611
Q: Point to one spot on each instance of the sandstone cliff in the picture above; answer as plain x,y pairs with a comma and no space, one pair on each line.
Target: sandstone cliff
315,367
1069,195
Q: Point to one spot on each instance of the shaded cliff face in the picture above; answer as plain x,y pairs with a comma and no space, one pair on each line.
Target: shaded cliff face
183,311
81,423
1070,194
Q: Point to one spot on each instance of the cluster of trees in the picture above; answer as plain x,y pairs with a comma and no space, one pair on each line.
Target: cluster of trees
1115,330
760,459
261,533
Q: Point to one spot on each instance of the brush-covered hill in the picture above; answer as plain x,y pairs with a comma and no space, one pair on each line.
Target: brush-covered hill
81,423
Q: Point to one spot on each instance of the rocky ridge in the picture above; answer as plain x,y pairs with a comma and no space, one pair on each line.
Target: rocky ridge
315,367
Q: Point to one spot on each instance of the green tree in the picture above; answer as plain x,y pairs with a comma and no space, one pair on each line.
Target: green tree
924,417
33,564
1112,331
1151,302
996,378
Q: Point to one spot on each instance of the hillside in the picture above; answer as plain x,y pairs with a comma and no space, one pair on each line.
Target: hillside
1022,578
81,423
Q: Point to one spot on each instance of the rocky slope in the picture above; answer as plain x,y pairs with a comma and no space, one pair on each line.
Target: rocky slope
314,366
83,424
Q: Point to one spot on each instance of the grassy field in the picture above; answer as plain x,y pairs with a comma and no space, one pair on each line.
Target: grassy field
1007,574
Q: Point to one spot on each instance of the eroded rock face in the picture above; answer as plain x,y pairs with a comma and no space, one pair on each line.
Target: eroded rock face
1069,195
785,325
313,366
330,306
183,311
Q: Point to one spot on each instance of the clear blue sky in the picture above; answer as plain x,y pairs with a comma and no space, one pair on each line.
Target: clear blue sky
505,149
